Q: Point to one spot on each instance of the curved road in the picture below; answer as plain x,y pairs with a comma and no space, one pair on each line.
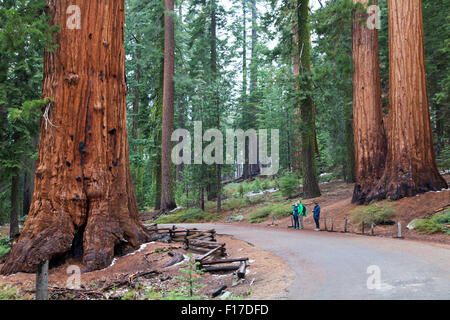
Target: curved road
339,266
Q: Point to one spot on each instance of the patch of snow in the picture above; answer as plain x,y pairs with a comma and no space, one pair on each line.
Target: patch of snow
225,295
259,193
113,262
220,275
411,225
142,247
186,258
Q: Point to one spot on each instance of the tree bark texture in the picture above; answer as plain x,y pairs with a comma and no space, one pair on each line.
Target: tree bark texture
369,137
167,194
84,199
306,104
410,163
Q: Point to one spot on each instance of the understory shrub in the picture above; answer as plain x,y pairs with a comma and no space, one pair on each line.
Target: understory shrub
260,214
5,246
234,203
187,216
281,211
436,223
8,292
376,213
288,185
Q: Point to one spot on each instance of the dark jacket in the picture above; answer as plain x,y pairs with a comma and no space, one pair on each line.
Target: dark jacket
316,211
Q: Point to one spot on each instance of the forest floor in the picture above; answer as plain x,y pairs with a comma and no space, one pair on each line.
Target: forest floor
114,281
268,275
335,202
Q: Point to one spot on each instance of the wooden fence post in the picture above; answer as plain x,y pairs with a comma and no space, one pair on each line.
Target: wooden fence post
399,232
42,281
325,224
345,224
372,227
362,227
331,224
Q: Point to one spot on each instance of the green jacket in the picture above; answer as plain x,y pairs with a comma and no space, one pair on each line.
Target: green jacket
301,210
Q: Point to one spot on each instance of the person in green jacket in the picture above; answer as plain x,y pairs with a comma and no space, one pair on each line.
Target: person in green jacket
301,212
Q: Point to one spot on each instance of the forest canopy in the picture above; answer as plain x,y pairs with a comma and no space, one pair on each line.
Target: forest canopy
233,68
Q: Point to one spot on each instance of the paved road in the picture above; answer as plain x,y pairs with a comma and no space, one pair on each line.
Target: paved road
335,265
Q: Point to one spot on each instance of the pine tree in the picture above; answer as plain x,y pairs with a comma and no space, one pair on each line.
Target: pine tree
305,100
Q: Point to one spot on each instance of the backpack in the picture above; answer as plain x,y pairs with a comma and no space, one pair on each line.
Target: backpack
304,210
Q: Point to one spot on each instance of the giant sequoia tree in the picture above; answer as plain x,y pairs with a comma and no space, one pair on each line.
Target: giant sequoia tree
167,194
410,163
84,200
369,138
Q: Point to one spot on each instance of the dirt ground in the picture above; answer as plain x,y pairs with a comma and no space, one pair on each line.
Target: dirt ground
267,276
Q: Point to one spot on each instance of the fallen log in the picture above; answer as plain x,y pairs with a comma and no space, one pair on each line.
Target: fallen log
221,268
224,261
178,257
241,271
197,250
211,252
200,232
205,244
218,291
206,237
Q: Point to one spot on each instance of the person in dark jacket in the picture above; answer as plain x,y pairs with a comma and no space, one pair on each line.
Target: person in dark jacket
295,215
316,211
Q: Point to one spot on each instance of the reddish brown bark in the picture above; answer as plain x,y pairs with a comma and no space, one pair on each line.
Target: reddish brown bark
167,196
410,164
84,199
369,138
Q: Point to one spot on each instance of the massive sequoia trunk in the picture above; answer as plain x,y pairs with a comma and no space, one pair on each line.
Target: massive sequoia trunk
84,200
369,137
167,194
306,104
410,163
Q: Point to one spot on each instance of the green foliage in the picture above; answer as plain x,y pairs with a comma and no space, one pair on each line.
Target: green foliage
241,190
436,223
187,216
24,34
376,213
328,177
234,204
289,183
443,159
281,211
5,246
260,214
190,282
8,292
